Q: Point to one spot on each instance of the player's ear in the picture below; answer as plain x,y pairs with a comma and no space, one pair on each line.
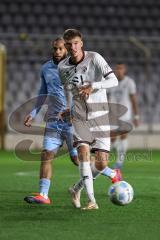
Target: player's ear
81,43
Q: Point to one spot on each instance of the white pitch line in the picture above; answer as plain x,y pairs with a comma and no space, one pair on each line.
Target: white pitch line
34,173
21,174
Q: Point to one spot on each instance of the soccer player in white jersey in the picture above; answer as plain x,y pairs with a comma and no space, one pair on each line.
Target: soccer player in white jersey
88,76
124,94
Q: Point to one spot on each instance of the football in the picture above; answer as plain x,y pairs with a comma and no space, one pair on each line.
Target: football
121,193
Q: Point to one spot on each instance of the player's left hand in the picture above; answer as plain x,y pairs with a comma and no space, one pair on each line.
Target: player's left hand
28,120
85,91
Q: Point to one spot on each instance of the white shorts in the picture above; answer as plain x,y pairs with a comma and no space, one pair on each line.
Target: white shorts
90,133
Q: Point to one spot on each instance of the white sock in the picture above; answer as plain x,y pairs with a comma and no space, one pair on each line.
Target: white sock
86,175
121,151
95,173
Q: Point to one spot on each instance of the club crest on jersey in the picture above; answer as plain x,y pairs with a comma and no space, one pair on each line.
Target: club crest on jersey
84,69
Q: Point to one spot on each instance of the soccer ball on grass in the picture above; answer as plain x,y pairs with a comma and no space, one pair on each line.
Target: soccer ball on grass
121,193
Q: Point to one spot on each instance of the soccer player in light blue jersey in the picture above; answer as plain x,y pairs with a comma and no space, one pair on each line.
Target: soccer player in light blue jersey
57,130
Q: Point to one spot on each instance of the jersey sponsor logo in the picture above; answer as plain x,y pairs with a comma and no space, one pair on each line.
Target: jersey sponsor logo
77,81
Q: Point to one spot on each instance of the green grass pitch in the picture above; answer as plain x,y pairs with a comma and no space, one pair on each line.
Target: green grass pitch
60,221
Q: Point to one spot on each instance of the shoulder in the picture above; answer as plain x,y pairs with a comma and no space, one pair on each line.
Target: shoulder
131,85
93,55
98,59
100,63
129,80
47,65
63,62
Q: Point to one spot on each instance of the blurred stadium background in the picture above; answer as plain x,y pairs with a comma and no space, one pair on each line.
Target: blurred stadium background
127,31
121,30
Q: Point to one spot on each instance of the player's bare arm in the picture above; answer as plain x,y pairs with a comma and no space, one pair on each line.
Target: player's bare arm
28,120
136,120
65,115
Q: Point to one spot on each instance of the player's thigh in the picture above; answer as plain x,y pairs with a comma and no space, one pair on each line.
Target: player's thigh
67,135
52,138
124,136
82,133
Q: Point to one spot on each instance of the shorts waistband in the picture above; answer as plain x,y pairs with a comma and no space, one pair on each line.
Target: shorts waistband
56,119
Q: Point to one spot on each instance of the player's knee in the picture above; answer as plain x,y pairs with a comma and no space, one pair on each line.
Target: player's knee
47,156
100,165
124,136
113,139
83,153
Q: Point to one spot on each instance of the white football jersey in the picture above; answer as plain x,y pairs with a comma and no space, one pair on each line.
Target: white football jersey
94,70
121,94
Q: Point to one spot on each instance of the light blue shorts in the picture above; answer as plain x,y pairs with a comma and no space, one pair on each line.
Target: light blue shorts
56,132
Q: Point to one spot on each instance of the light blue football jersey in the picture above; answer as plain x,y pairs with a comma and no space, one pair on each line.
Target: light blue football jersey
52,89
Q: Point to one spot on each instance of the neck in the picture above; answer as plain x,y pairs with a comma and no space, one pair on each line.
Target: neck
57,61
120,78
78,58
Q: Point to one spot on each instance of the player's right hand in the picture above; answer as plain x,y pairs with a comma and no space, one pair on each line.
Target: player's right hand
65,115
28,121
85,90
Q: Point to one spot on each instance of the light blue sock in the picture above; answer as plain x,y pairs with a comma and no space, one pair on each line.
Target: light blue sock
109,172
118,165
121,153
44,185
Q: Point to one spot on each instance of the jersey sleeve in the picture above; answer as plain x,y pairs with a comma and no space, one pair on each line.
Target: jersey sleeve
108,78
61,73
62,77
132,87
42,94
